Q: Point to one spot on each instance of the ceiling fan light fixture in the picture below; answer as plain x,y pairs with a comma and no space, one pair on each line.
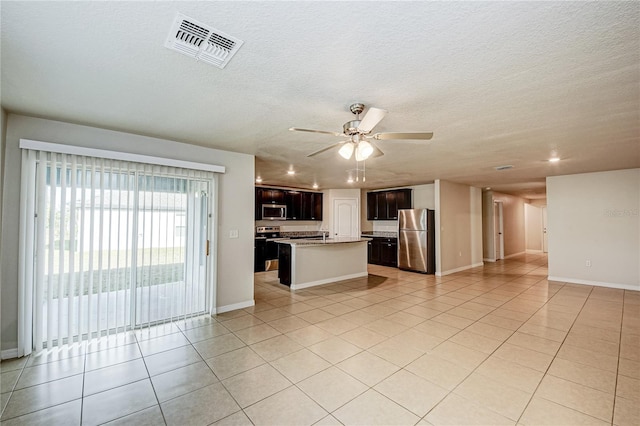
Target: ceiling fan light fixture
346,151
363,151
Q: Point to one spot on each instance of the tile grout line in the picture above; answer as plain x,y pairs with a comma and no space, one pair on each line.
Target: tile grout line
409,328
615,389
489,355
554,358
150,381
506,283
40,384
214,373
450,291
13,388
84,371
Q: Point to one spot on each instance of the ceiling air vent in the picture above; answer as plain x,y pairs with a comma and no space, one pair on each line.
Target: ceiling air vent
507,167
202,42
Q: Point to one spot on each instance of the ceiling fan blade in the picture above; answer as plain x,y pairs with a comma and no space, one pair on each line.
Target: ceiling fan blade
397,135
371,119
297,129
320,151
377,152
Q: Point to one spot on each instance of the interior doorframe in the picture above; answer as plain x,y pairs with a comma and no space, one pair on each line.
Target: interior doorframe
498,208
545,234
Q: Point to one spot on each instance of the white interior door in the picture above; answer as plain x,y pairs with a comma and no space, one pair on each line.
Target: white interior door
544,230
499,230
345,217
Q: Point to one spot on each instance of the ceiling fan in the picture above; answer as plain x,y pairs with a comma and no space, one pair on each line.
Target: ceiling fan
359,134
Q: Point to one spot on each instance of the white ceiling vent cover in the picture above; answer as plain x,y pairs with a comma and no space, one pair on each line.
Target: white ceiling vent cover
200,41
505,167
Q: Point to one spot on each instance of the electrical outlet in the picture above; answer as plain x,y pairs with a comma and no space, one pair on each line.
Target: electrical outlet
233,233
588,264
460,254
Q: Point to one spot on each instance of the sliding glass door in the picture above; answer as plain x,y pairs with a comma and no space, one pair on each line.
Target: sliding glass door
171,249
116,246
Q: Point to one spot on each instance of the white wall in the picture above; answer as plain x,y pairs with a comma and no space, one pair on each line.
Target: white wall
533,228
475,210
488,228
538,202
3,132
459,227
235,204
595,217
424,196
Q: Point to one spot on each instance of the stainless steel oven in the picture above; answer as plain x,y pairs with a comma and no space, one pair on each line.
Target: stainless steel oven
274,212
268,252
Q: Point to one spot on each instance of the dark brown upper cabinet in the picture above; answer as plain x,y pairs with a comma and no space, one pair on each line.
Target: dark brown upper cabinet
384,205
301,205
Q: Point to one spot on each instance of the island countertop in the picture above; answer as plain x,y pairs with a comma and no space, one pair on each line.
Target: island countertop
320,242
306,263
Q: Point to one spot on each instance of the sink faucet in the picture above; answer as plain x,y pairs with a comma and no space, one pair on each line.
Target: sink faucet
324,236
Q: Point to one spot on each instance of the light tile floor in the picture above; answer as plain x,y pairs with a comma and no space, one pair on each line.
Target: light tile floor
493,345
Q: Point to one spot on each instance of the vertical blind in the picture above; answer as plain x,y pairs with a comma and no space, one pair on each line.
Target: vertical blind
110,245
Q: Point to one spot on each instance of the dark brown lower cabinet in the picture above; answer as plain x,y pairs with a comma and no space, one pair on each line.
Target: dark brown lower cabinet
383,251
284,264
259,247
373,252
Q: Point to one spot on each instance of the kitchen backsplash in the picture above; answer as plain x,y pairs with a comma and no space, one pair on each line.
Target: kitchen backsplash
385,226
289,227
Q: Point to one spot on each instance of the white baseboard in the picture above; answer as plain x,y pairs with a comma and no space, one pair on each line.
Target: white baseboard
515,254
460,269
529,251
596,283
328,280
486,259
235,306
9,353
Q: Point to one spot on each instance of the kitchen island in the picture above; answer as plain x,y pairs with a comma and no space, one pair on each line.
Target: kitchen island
310,262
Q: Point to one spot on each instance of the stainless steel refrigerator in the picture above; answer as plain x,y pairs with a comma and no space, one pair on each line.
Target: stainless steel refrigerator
416,240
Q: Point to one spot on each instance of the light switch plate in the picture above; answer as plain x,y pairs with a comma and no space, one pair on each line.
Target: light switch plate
233,233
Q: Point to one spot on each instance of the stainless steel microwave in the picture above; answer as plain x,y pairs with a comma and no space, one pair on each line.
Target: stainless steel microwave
274,212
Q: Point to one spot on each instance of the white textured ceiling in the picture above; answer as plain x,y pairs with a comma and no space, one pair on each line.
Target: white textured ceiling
498,83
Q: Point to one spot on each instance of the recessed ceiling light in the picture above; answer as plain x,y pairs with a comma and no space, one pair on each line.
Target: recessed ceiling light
554,159
350,180
258,179
315,186
488,188
291,172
